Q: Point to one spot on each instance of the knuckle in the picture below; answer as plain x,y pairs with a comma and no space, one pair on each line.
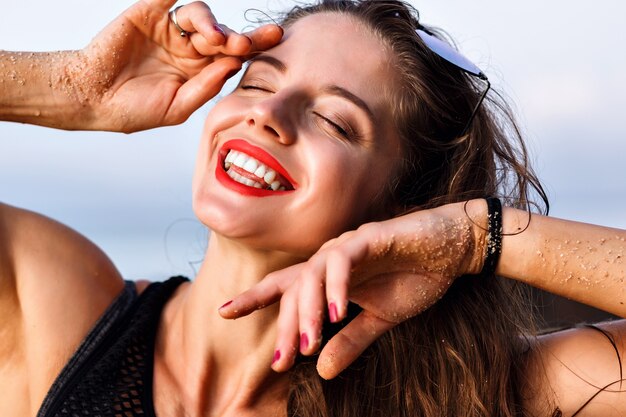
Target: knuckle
309,274
336,254
372,228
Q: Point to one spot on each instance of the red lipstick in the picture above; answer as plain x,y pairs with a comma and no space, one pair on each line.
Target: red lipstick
261,156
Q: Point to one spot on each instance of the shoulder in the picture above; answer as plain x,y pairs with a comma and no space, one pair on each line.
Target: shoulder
54,284
44,258
578,370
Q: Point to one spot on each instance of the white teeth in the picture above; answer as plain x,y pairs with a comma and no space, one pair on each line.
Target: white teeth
260,171
234,175
269,176
250,165
240,160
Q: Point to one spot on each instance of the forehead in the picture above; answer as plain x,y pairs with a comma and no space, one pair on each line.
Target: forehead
333,48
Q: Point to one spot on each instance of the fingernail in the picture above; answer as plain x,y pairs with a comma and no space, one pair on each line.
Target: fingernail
304,342
276,357
332,313
219,29
226,305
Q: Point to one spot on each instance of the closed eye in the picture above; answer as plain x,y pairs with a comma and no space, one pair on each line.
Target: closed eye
346,133
255,87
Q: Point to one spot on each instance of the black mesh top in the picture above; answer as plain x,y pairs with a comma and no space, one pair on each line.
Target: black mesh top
110,375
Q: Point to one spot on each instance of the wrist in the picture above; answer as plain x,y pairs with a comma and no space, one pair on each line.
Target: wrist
40,89
494,236
477,218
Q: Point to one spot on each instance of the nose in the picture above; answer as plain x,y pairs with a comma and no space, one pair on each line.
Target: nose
272,116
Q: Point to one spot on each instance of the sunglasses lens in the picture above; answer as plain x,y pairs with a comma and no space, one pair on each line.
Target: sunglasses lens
448,53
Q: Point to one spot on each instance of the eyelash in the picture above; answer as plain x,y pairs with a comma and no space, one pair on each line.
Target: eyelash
347,133
254,87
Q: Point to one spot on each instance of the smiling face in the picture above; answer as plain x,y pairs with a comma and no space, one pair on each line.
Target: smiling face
304,148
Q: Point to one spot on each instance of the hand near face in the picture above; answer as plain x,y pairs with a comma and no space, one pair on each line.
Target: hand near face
140,73
393,270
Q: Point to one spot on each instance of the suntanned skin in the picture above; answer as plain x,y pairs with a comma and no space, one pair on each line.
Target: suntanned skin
576,260
54,283
41,330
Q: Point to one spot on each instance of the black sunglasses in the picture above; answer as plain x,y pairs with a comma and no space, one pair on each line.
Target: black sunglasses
451,55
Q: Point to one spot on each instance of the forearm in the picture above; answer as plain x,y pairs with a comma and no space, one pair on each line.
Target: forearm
579,261
41,88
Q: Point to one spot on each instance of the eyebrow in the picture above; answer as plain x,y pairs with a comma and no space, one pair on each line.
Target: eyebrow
330,89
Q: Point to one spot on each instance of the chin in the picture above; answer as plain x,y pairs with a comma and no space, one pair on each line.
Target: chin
257,231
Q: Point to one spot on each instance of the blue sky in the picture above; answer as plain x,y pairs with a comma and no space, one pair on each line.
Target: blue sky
561,63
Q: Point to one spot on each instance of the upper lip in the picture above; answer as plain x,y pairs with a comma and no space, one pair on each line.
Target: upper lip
257,153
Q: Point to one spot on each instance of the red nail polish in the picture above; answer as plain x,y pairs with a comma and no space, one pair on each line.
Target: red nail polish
219,29
304,342
227,304
332,313
276,357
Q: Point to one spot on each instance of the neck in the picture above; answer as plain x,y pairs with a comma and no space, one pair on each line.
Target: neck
216,366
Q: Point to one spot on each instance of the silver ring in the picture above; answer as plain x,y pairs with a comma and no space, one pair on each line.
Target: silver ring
173,19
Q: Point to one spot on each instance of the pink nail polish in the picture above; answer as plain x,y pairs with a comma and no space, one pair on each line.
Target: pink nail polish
276,357
219,29
304,342
332,313
226,304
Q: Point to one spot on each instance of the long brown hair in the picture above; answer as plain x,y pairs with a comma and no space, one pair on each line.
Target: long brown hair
462,356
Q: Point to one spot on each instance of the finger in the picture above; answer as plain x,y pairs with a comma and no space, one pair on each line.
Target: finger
264,37
312,305
346,346
197,19
233,44
263,294
338,267
201,88
287,331
236,43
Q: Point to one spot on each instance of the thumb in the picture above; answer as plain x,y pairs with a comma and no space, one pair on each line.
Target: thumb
347,345
201,88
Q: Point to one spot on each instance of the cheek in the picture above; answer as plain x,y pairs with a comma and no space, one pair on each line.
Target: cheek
223,115
353,188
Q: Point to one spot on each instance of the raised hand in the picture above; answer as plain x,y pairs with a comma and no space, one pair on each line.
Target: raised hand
393,270
141,73
138,73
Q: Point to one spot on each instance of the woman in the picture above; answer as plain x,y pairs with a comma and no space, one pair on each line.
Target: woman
348,118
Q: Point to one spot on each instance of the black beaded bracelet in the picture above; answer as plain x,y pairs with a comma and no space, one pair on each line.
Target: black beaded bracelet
494,235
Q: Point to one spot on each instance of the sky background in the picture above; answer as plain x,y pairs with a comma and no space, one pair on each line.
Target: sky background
561,63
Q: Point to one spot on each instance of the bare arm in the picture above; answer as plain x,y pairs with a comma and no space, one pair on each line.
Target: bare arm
54,284
427,250
578,372
579,261
138,73
38,89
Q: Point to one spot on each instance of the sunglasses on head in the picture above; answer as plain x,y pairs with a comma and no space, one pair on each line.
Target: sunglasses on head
446,52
